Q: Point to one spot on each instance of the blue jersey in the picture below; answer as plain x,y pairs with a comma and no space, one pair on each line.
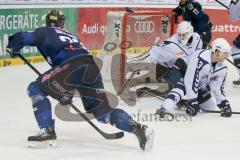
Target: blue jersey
55,44
192,12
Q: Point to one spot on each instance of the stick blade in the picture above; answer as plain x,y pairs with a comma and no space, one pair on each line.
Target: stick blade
117,135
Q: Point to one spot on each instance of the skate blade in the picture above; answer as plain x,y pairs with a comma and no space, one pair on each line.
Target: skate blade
150,136
43,144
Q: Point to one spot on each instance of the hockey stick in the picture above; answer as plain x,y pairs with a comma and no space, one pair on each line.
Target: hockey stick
231,62
145,90
210,111
222,4
105,135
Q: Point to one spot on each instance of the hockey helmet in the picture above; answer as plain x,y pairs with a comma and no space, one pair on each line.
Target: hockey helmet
55,19
182,2
222,46
184,32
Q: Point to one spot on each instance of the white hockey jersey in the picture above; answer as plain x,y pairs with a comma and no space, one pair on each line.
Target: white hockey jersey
171,49
199,69
234,10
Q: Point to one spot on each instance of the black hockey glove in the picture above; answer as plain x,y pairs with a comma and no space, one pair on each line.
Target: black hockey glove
66,99
12,53
225,108
192,107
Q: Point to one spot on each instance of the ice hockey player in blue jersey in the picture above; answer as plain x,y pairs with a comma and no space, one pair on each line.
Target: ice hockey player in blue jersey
69,58
191,11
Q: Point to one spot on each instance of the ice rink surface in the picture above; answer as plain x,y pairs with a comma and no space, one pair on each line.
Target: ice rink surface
205,137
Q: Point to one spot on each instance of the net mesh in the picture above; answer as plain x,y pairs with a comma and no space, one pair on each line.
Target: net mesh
128,36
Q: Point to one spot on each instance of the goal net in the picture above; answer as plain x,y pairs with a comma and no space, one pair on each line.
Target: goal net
127,40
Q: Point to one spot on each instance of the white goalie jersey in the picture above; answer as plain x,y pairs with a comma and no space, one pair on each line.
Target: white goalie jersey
171,49
234,10
201,69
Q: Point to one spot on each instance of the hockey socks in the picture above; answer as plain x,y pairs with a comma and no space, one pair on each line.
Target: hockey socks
118,118
43,113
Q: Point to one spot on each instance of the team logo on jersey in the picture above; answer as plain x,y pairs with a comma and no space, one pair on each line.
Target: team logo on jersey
180,54
54,72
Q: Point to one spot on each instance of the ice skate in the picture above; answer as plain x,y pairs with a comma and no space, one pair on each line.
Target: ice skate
162,112
46,137
144,134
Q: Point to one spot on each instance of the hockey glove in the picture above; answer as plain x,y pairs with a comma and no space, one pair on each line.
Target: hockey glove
12,53
192,107
182,104
66,99
225,108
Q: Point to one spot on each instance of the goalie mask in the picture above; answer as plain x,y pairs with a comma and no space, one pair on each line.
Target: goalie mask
55,19
222,46
184,32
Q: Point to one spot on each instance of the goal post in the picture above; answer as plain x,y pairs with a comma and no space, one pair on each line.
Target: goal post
129,35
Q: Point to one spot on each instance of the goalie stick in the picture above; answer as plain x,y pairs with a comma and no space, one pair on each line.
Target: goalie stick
105,135
159,95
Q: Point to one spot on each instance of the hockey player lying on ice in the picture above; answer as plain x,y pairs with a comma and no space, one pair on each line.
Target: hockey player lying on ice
166,57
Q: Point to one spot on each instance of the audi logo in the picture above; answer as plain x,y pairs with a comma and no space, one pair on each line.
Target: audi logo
144,26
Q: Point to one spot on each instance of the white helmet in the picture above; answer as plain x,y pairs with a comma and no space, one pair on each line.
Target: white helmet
184,32
222,45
